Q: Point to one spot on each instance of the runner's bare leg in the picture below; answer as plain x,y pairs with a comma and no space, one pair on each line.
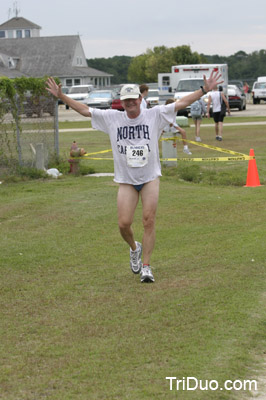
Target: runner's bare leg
149,197
127,201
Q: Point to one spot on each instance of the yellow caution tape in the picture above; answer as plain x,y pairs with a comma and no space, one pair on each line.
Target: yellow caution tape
91,154
240,158
243,158
207,146
97,152
237,156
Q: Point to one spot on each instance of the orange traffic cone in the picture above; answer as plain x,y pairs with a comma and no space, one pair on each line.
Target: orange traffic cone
253,179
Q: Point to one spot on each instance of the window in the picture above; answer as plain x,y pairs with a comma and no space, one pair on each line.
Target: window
27,32
2,34
10,34
260,85
19,33
68,82
189,85
166,80
76,81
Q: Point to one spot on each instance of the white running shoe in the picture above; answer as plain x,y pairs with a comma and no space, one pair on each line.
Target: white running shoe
135,259
146,274
198,139
187,151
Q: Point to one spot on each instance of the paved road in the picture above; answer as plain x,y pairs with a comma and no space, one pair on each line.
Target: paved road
253,110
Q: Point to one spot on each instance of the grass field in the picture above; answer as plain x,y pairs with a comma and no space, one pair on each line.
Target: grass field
239,138
77,324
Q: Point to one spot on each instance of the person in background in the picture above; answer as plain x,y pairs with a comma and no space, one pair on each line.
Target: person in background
246,91
216,98
144,89
197,110
174,128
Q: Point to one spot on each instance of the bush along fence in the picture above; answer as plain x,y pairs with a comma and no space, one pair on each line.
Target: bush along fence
28,123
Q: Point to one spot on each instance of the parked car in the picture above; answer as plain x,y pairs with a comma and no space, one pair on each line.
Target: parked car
79,92
153,98
239,84
116,103
236,98
259,92
100,99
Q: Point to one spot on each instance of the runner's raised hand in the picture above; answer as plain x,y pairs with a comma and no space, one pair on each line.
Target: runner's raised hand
212,81
53,88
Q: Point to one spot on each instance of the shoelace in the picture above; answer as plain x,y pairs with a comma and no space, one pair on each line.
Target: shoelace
134,256
146,270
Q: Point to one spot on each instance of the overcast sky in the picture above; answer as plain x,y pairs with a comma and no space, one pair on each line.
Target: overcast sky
120,27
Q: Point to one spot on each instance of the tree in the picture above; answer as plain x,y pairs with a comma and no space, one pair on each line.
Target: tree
160,59
117,66
184,55
136,70
145,67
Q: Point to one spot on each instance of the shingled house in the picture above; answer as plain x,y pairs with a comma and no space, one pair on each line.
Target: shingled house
23,52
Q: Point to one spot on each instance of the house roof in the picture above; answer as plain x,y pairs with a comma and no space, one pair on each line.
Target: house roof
10,73
19,22
51,55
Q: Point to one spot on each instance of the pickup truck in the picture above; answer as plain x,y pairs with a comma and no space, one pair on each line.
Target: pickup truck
185,87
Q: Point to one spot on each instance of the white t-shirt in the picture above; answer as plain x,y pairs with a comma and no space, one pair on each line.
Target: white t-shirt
216,101
124,132
143,103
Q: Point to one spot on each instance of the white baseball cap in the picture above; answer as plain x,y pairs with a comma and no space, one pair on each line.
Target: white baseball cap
130,91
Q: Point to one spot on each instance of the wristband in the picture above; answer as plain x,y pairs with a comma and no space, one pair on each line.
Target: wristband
203,90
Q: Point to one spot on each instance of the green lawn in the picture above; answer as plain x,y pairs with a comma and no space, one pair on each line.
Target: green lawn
77,324
239,138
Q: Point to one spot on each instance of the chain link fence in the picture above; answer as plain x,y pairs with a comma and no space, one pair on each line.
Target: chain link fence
28,132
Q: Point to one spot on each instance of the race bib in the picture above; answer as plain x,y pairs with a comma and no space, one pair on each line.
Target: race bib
137,156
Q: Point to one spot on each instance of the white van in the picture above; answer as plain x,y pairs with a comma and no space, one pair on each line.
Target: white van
259,91
168,82
185,79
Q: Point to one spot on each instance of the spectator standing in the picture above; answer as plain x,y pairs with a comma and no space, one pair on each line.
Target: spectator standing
216,98
144,90
247,91
197,110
